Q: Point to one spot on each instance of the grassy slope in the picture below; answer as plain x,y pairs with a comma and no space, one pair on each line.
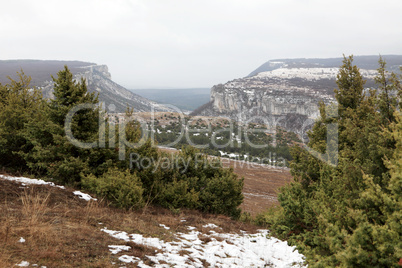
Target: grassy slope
62,230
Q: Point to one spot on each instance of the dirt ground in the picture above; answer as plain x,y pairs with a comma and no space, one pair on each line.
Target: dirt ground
62,230
261,184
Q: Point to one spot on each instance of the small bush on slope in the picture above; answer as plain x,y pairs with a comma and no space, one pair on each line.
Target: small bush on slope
121,187
191,181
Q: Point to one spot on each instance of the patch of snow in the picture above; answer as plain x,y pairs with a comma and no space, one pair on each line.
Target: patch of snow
210,225
309,73
229,154
128,259
273,63
230,250
150,241
84,196
164,226
118,248
23,264
24,181
116,234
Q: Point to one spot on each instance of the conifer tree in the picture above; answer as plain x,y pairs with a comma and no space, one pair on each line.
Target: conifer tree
347,215
18,104
386,99
69,93
53,154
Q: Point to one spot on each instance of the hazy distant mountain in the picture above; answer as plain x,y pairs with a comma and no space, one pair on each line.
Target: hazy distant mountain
97,76
286,92
39,70
185,99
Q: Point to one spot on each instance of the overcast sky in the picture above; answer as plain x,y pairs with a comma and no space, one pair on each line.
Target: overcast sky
189,43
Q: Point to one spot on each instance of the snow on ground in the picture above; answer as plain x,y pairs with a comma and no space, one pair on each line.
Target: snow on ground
84,196
210,225
128,259
25,181
114,249
26,264
229,154
193,249
309,73
164,226
23,264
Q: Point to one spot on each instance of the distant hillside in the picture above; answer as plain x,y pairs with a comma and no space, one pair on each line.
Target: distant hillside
39,70
97,76
286,92
186,98
363,62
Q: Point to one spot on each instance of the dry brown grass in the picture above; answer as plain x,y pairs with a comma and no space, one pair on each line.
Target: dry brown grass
205,238
61,230
261,185
141,251
54,228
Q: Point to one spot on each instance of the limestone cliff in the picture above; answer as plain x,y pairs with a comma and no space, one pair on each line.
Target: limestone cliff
98,79
282,92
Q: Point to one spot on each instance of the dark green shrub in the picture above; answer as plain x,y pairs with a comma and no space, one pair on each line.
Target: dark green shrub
179,194
222,194
121,187
348,214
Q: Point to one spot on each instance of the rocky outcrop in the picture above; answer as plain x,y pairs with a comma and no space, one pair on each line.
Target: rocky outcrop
98,79
282,93
115,97
266,100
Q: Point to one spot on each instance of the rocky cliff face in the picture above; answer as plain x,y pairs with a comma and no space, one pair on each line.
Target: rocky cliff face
113,95
270,100
97,77
285,93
